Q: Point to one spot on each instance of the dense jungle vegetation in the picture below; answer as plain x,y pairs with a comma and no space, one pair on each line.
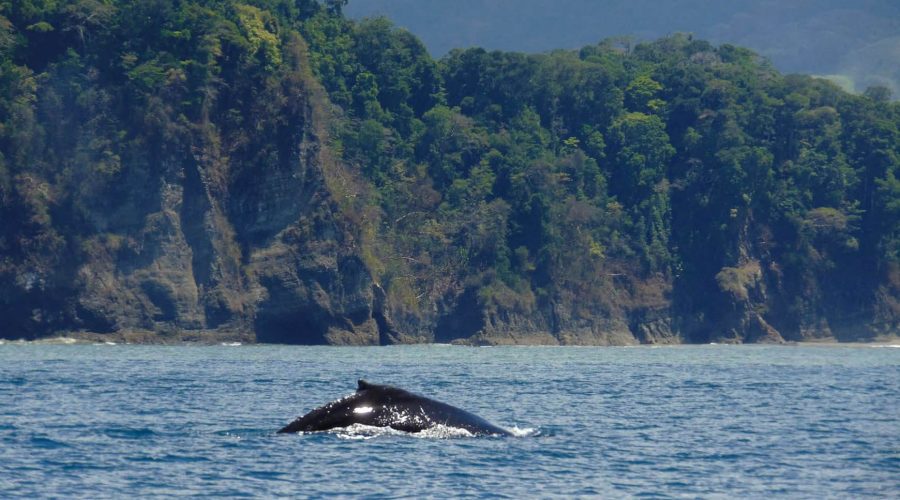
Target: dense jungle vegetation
671,181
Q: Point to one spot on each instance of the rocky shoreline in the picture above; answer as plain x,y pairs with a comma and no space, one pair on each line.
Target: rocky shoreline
244,338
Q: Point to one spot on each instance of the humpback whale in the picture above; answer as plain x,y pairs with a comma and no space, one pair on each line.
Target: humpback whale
386,406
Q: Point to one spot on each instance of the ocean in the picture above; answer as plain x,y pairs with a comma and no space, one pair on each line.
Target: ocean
120,421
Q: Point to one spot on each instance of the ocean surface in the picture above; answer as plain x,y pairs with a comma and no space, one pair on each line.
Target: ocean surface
120,421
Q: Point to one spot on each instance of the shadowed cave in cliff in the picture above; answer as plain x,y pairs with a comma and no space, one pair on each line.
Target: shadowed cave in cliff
301,327
466,320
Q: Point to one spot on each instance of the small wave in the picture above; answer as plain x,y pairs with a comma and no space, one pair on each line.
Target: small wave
47,443
57,340
525,431
239,433
443,432
129,433
231,344
362,432
47,341
15,381
876,346
365,432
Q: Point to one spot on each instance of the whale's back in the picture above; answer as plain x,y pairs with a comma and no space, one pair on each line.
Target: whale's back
388,406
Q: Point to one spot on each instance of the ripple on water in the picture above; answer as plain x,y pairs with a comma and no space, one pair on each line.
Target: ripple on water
129,433
44,442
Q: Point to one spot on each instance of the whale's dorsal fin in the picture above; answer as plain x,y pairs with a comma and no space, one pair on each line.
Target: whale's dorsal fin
362,385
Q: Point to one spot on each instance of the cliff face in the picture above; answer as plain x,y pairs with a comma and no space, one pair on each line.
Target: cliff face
236,246
632,312
763,296
215,226
267,257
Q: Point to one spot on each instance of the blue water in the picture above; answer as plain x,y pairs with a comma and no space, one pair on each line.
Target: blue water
693,421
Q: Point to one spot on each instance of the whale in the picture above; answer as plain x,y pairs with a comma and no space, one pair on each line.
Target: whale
386,406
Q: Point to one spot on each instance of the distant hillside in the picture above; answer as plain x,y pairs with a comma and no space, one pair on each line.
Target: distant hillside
856,39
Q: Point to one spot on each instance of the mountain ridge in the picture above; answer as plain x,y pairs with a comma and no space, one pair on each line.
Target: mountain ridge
851,42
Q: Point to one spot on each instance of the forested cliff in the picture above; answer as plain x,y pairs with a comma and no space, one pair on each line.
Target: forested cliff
270,170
